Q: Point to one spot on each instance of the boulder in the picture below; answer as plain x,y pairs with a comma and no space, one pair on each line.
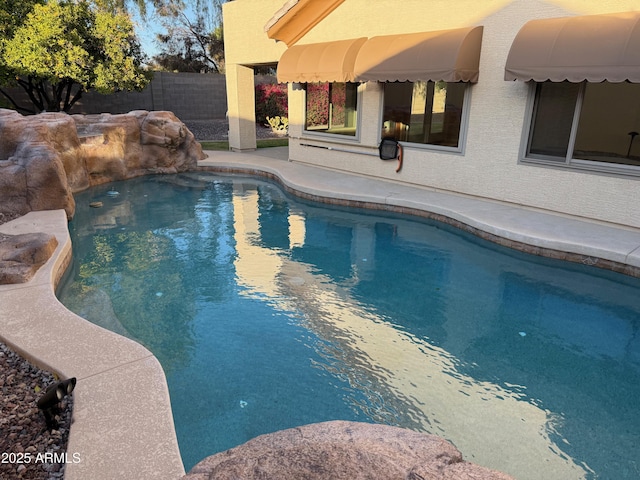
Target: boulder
46,158
343,450
22,255
33,152
117,147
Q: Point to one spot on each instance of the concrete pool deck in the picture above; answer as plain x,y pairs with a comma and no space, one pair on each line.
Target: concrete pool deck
533,231
122,425
122,422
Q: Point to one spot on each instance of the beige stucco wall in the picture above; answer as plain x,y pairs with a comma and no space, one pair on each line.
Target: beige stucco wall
246,45
488,166
245,41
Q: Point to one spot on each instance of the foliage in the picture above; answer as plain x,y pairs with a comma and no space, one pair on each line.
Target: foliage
193,41
338,102
63,48
180,62
271,101
278,124
326,100
13,13
317,104
187,47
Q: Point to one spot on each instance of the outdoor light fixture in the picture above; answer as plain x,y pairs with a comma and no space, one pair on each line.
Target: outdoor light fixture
49,402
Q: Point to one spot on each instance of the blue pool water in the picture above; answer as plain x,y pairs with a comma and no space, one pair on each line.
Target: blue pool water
268,313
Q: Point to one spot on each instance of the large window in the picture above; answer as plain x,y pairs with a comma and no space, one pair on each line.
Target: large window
586,125
332,108
424,112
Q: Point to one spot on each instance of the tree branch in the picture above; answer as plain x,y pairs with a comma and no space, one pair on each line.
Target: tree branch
28,87
67,107
202,39
75,98
13,102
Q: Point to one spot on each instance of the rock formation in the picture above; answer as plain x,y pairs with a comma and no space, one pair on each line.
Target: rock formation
22,255
46,158
117,147
343,450
32,151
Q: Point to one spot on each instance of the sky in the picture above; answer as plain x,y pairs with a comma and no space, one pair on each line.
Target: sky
146,31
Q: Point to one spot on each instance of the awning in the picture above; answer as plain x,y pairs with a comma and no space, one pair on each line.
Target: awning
450,55
320,62
594,48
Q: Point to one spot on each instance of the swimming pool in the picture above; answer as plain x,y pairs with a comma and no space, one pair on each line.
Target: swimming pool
267,313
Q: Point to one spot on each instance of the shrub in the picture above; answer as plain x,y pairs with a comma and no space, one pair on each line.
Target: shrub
279,125
271,101
338,102
317,104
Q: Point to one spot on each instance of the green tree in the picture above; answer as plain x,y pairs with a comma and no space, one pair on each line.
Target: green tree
59,49
186,47
193,38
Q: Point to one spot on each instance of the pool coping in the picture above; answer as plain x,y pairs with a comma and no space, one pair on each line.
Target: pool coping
544,233
110,437
136,438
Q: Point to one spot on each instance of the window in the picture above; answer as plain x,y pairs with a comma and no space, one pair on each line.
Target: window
332,108
586,125
424,112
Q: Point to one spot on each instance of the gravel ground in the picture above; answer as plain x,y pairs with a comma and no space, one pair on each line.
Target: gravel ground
28,449
212,130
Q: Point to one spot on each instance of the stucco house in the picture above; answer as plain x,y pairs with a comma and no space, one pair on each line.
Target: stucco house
530,102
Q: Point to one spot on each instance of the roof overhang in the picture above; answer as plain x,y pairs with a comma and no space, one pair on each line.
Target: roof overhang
591,48
297,17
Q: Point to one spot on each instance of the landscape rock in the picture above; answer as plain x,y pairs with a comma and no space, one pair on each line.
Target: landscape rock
23,425
342,450
117,147
32,154
22,255
46,158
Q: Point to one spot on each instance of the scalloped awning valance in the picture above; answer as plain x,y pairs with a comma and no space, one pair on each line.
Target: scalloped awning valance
591,48
449,55
320,62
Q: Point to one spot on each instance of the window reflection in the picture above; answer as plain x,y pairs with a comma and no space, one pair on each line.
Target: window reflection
593,122
332,108
423,112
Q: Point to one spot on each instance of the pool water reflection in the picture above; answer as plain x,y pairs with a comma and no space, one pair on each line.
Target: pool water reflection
267,313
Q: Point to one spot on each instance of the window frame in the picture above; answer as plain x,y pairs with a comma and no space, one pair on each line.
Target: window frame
335,137
464,125
568,163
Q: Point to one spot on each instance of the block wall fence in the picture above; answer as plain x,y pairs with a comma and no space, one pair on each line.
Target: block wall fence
190,96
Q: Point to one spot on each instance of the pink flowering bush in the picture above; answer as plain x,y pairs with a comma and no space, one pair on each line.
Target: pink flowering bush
317,104
271,101
338,102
